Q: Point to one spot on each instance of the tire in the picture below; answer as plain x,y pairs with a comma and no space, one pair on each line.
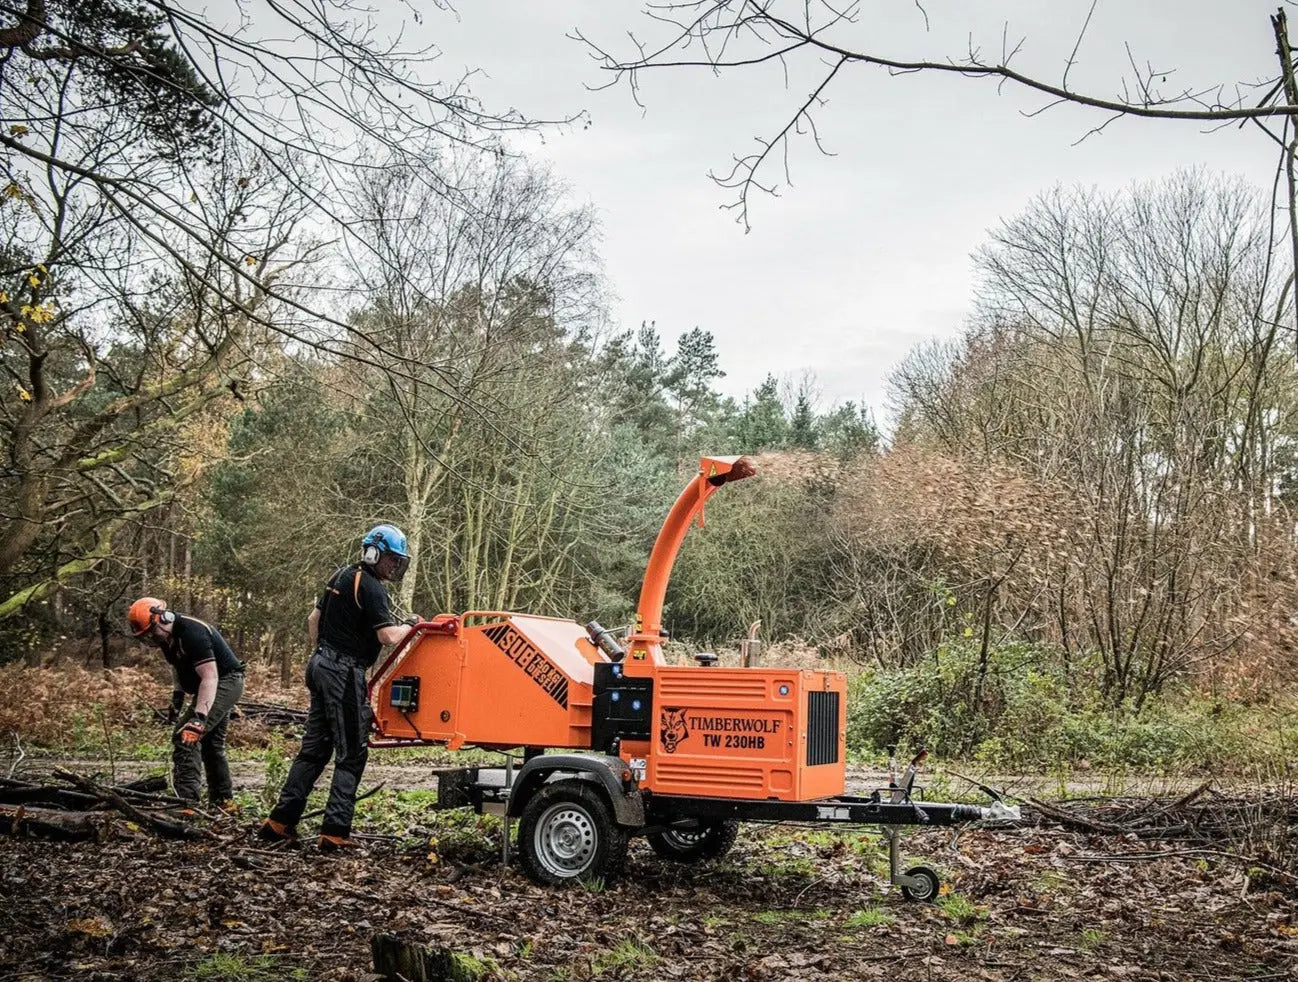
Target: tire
708,842
567,833
927,891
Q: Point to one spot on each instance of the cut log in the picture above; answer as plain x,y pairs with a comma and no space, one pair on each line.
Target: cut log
48,823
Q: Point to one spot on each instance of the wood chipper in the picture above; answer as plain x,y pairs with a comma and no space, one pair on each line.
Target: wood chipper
679,754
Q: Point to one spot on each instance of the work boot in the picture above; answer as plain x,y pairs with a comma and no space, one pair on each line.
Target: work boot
337,843
273,831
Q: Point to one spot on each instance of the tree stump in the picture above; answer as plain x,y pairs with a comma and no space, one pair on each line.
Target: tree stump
396,959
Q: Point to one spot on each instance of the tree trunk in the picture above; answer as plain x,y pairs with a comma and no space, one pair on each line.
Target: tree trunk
285,663
105,630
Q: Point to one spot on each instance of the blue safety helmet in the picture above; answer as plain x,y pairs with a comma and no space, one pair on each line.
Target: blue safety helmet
386,539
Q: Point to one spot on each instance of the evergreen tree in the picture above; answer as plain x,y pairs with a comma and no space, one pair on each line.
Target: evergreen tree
849,430
761,425
802,427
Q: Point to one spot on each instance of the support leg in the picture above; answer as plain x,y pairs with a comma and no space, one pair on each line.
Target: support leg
504,819
918,882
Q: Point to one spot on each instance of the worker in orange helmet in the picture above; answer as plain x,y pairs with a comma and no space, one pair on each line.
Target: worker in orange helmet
205,669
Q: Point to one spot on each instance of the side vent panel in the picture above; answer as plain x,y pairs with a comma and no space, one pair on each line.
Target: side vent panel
822,728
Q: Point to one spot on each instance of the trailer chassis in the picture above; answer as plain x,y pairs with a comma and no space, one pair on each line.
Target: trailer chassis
506,792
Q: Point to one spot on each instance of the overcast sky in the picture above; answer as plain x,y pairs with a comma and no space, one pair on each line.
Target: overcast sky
869,253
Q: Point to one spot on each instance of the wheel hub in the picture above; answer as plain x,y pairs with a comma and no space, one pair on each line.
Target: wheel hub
565,840
683,839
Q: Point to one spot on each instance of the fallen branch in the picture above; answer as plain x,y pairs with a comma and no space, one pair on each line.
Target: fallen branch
272,714
144,785
30,792
1071,820
162,826
19,754
261,712
360,797
43,794
1179,803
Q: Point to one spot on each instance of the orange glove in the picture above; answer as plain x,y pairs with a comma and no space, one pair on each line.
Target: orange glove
193,731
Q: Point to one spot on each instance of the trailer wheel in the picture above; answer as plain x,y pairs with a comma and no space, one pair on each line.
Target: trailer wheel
567,833
711,841
924,884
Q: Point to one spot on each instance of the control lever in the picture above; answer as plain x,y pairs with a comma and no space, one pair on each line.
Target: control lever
902,792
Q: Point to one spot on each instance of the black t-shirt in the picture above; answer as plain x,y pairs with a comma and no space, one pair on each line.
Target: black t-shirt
192,643
352,608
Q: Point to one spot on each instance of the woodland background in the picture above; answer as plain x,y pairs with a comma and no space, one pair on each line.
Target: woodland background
233,337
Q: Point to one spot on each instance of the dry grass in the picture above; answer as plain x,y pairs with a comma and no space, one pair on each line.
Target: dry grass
63,705
55,707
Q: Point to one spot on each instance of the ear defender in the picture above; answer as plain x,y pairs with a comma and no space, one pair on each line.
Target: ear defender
370,555
162,615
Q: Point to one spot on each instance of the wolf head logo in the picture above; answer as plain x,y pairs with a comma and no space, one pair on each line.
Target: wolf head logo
673,730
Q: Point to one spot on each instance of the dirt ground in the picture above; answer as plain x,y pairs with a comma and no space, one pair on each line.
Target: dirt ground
789,902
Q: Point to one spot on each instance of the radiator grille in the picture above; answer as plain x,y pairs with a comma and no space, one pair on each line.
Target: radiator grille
822,728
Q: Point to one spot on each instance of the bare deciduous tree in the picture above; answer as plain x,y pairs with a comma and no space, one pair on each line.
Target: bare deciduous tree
1127,362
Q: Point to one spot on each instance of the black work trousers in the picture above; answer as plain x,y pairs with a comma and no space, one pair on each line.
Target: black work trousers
337,726
209,752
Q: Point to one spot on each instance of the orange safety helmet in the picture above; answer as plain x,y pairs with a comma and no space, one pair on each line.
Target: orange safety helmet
146,612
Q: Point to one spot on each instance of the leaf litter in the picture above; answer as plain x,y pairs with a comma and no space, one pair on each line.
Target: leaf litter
1046,901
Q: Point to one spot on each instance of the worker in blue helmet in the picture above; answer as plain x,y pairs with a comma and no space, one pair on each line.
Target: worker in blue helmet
349,625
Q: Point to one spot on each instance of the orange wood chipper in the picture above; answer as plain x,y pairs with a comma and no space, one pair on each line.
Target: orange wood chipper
679,754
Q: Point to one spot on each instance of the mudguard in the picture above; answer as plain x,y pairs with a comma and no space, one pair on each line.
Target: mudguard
599,769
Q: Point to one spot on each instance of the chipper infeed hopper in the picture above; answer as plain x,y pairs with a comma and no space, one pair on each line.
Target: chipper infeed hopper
678,753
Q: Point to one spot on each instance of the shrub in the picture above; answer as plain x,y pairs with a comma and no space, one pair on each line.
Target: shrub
939,703
1026,715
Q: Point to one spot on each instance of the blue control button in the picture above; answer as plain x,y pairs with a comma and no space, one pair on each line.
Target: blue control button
784,690
614,696
635,704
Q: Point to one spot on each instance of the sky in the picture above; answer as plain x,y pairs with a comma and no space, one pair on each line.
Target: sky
869,253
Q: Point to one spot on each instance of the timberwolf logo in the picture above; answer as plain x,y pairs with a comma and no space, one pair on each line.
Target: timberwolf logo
673,729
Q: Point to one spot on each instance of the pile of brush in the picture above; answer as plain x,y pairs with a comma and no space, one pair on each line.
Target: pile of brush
73,807
1257,825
